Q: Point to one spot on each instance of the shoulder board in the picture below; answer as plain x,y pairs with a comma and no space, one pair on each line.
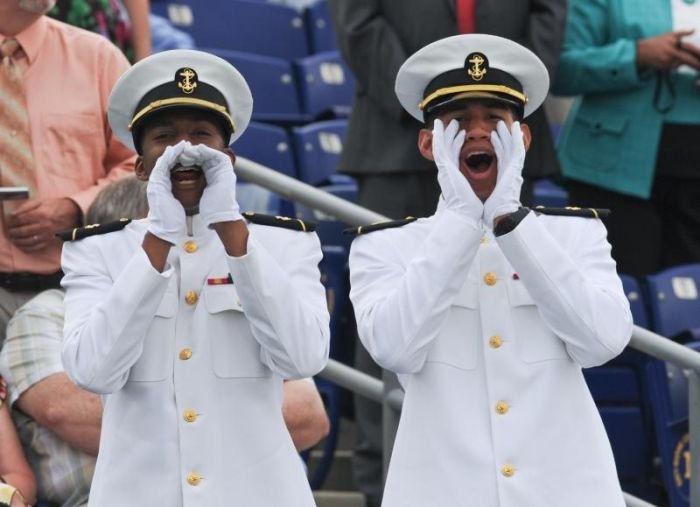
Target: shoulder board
93,230
378,226
572,211
278,221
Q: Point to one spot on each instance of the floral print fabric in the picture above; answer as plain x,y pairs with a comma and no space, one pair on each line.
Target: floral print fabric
106,17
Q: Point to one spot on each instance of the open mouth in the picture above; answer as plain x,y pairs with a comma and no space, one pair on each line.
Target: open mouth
479,162
185,173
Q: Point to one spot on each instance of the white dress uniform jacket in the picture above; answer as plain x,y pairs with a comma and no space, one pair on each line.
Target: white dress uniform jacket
191,368
488,338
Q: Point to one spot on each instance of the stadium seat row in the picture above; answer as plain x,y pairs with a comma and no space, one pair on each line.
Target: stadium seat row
644,401
265,28
308,152
288,57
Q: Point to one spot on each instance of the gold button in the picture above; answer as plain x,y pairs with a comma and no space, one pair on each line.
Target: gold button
502,407
189,415
193,478
484,241
191,297
185,354
495,341
508,470
490,278
190,246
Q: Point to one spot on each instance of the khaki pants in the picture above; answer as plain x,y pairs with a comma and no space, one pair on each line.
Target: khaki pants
9,303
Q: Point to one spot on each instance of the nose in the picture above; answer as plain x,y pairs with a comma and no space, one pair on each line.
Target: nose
477,130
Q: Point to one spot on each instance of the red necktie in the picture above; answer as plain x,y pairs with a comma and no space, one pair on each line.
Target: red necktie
465,15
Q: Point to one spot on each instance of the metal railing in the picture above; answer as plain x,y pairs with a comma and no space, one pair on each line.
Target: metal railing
388,392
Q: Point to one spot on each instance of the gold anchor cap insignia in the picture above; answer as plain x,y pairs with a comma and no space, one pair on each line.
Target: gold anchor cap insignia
477,66
186,79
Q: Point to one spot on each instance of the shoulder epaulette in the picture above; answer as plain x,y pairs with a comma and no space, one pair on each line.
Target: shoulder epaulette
378,226
278,221
572,211
93,230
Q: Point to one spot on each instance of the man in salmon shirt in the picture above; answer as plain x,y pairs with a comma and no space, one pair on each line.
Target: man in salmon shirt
55,140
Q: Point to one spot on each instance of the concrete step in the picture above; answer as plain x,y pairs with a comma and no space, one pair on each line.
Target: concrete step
339,499
338,490
340,474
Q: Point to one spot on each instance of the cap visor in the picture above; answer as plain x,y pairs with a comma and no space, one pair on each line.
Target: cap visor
474,95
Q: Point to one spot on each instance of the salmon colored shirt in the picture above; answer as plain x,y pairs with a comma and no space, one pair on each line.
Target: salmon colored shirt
68,75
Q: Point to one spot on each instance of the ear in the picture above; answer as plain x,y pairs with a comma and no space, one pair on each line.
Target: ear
425,143
140,170
230,154
527,135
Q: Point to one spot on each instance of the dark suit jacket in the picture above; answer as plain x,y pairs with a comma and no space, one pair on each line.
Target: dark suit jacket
376,37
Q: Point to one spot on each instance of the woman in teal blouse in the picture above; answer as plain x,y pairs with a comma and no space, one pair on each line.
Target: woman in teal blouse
632,138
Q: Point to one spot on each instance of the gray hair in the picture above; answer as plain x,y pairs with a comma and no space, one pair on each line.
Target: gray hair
124,198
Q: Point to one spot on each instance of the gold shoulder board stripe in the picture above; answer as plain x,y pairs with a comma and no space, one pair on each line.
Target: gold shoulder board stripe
573,211
378,226
295,224
93,230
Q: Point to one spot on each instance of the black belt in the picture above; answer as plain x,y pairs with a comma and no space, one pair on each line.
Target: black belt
30,282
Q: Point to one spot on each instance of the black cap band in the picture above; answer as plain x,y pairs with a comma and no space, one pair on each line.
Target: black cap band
186,90
476,78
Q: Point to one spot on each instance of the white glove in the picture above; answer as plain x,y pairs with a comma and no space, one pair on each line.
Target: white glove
166,216
510,155
218,203
458,193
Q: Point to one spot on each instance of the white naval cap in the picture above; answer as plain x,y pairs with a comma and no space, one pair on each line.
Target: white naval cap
179,78
471,66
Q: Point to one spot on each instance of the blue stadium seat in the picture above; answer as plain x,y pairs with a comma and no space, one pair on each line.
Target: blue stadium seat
268,145
334,268
334,275
241,25
635,296
549,194
272,84
674,300
619,389
317,147
669,400
619,381
330,229
252,197
326,84
320,28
